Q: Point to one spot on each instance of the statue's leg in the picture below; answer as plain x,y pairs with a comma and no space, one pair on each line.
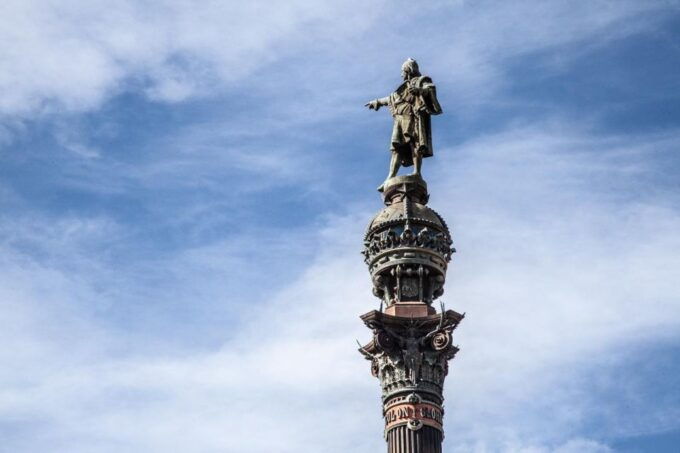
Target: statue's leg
394,165
417,161
394,168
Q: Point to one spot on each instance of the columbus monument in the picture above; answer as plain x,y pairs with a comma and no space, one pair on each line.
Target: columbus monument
407,248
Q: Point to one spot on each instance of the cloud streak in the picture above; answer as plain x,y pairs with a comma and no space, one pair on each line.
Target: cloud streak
188,288
80,55
547,292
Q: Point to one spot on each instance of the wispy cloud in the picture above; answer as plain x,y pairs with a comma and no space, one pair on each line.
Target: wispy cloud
551,285
81,54
167,290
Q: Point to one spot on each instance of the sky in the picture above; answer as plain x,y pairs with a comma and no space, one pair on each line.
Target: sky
185,185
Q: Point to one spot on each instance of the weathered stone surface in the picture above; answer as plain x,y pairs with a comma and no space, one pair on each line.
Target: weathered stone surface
407,246
410,358
410,354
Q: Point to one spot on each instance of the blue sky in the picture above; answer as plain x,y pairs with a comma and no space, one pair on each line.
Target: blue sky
184,190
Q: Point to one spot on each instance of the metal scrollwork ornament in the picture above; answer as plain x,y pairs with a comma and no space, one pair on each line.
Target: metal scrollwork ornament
441,341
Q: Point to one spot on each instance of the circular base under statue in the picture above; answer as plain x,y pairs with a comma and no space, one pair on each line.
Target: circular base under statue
394,189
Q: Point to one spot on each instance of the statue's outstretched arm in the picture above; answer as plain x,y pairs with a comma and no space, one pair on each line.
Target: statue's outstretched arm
375,104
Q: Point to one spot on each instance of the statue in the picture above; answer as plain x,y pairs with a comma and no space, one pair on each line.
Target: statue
413,357
411,106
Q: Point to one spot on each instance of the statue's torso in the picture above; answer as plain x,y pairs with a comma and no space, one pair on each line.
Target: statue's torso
402,100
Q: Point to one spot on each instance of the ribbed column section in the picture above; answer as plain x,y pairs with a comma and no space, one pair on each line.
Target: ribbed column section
404,440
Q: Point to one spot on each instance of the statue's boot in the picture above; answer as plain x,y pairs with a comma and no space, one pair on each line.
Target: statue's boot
394,168
417,165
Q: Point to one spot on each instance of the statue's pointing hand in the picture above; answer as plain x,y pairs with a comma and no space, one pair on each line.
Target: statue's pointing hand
373,105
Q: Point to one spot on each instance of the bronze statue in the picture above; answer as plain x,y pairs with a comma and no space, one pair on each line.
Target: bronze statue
411,106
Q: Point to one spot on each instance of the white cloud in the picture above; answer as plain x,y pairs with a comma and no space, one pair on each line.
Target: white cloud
553,270
577,445
561,242
563,258
73,55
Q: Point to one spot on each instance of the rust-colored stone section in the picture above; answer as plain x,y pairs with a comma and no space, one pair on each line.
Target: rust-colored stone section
410,310
404,412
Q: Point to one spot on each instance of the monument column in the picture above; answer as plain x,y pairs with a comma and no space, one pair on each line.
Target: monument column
407,248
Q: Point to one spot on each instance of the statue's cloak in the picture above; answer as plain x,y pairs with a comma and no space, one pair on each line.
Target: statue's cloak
411,112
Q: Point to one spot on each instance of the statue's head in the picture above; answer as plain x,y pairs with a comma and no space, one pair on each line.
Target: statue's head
409,69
